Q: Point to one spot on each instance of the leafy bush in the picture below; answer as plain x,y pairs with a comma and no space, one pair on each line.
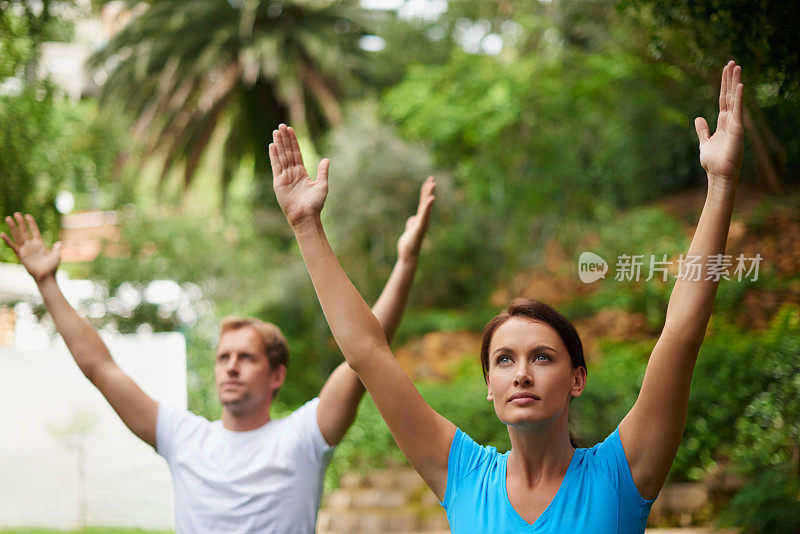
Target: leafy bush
612,386
767,445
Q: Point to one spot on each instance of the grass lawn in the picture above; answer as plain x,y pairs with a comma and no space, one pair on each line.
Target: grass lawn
89,530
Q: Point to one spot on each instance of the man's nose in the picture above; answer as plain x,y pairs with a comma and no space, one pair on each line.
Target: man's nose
232,367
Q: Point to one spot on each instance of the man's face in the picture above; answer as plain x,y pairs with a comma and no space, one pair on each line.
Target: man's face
245,380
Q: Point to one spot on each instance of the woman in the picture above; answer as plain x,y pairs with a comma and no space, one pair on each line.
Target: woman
534,367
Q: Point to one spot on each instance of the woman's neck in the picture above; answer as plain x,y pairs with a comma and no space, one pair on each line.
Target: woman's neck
540,453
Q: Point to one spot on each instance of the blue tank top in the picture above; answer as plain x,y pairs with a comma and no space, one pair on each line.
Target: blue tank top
597,495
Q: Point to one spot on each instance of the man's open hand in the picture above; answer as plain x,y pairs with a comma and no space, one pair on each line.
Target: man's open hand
27,244
417,225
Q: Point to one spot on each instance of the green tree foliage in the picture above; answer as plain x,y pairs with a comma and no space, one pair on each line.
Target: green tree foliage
46,143
189,69
699,36
760,35
374,169
533,137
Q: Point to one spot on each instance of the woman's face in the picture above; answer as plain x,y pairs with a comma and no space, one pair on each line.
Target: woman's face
531,378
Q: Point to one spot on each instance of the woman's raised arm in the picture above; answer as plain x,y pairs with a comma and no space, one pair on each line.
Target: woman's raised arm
423,435
652,430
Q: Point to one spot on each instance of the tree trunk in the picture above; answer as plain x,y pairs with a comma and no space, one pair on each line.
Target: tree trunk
767,172
324,94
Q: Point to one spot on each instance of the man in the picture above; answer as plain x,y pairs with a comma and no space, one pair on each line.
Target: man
245,472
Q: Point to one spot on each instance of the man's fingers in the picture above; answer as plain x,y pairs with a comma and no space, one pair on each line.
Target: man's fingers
33,228
21,227
426,191
429,185
701,126
426,207
9,242
12,226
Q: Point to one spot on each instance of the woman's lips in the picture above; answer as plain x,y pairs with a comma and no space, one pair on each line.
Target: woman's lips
522,399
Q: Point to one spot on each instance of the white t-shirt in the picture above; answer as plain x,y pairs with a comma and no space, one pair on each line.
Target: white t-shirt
267,480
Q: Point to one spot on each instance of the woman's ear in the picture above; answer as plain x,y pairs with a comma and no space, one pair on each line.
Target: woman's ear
578,382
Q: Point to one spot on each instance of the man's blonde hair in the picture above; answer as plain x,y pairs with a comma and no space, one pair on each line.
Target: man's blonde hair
274,343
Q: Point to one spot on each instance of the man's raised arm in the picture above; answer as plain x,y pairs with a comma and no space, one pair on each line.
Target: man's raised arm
135,408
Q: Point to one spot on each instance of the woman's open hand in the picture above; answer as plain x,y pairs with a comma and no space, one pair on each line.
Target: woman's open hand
721,154
300,197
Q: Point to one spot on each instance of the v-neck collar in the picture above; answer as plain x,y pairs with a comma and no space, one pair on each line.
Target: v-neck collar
548,510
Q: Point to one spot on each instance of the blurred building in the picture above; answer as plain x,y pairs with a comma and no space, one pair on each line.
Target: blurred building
63,449
65,63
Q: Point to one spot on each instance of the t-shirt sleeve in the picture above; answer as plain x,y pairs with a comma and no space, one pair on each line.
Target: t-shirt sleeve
612,460
465,456
173,424
304,420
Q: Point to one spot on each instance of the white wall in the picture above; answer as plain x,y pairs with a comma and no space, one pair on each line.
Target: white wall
42,390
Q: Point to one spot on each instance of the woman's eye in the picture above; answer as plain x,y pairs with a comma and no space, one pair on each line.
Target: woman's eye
503,359
543,358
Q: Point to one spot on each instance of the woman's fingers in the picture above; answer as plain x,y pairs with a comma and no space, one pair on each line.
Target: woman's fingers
277,168
723,90
297,155
279,152
322,171
701,126
286,144
737,103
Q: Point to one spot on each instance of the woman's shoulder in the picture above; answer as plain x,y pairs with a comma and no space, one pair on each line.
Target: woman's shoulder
471,455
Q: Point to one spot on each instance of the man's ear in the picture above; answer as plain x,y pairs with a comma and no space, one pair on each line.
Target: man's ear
278,376
578,382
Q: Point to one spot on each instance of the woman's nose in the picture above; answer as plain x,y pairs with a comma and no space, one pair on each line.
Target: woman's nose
523,376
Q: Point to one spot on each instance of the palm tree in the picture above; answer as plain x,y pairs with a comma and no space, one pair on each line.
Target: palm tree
188,68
